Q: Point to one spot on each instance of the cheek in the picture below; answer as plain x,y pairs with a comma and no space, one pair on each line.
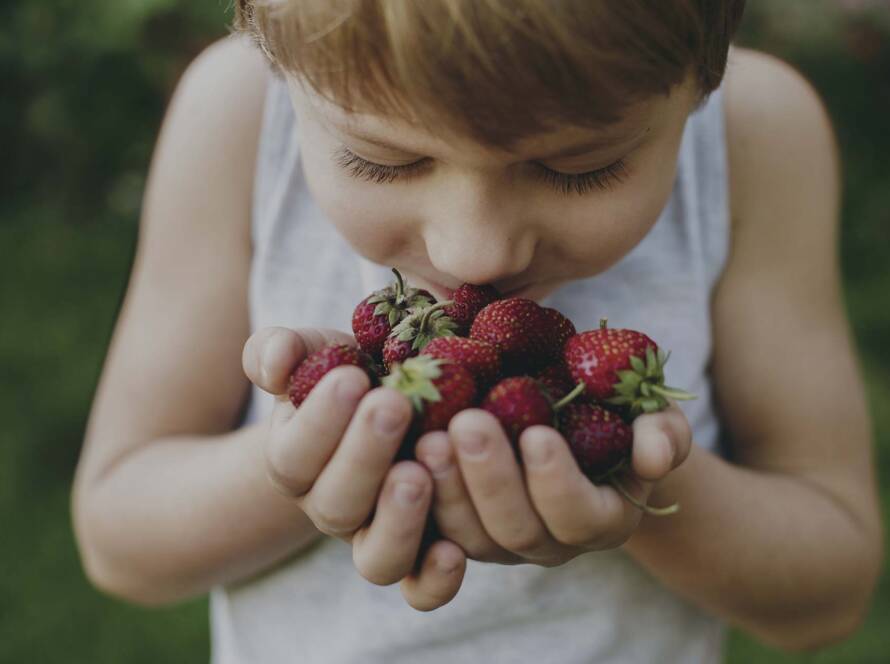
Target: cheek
601,232
373,223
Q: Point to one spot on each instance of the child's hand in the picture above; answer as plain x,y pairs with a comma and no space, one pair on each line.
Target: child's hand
334,456
549,512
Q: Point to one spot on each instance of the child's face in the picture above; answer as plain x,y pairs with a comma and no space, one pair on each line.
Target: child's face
445,210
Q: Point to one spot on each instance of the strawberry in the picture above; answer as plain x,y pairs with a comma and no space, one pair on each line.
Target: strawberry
623,368
480,358
600,440
520,402
602,443
416,330
438,389
316,365
467,301
376,315
519,329
556,379
559,330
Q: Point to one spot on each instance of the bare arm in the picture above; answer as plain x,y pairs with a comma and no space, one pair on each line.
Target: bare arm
167,500
786,544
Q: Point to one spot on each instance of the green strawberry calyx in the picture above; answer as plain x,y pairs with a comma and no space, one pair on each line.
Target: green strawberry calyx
395,300
414,378
641,388
423,324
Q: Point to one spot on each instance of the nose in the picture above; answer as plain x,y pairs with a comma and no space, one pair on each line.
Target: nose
478,233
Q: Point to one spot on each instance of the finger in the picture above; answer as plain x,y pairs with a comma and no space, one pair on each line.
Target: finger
452,506
576,512
270,355
385,551
347,487
298,449
496,484
439,578
661,442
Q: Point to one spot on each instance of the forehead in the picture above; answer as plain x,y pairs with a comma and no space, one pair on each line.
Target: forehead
638,120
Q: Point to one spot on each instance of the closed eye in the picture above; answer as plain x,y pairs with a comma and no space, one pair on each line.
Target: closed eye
600,179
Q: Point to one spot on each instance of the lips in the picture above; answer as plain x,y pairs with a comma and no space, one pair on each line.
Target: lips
442,292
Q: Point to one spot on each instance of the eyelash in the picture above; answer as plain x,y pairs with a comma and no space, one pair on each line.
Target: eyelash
565,183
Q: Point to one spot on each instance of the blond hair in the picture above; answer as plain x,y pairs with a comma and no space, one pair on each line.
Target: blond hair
497,70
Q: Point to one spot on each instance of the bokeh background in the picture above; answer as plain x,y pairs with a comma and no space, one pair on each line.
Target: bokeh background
83,89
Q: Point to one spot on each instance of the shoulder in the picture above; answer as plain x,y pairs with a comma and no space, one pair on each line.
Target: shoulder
779,136
216,110
232,68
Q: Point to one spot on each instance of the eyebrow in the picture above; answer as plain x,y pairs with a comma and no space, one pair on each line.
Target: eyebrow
592,145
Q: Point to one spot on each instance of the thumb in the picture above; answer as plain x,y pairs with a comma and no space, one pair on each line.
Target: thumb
270,355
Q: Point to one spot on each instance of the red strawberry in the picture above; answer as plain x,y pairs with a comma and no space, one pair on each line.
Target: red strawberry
560,329
602,443
621,367
376,315
438,389
520,402
556,379
415,331
519,329
480,358
600,440
312,368
467,301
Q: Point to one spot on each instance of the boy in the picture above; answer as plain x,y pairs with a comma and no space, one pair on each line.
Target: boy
573,151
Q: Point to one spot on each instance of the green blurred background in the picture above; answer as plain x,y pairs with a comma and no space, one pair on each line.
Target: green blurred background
83,88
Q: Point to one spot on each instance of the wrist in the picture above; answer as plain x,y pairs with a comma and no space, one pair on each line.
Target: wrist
679,486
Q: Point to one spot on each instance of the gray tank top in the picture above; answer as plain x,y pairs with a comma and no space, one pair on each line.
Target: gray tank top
601,607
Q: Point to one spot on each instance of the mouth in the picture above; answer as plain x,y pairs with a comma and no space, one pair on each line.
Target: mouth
443,292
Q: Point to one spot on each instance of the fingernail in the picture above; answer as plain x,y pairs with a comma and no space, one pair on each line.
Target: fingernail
348,390
387,422
407,493
438,465
537,452
273,355
472,443
447,566
670,453
437,456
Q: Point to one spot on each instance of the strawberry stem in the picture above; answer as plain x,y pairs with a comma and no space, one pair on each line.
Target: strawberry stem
424,319
567,399
654,511
671,392
603,323
400,287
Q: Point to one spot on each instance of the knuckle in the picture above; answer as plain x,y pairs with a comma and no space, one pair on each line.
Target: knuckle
494,486
373,573
483,550
522,541
330,522
285,479
574,537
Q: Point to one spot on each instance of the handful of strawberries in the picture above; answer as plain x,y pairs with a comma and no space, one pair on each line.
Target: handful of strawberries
524,363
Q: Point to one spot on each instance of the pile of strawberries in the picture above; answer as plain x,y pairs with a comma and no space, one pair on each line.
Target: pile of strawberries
524,363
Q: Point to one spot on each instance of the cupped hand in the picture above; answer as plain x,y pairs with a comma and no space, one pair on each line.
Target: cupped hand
544,511
334,456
